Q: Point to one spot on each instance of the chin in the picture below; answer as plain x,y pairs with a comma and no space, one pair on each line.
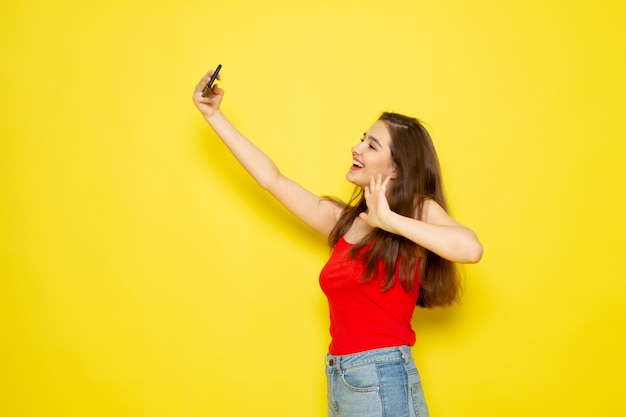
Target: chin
352,180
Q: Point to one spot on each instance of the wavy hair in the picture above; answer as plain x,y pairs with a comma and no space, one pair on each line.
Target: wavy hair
417,179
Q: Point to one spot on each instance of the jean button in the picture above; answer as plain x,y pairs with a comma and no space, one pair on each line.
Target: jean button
331,362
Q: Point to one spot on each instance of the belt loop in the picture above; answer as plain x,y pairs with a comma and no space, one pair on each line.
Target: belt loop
404,355
330,361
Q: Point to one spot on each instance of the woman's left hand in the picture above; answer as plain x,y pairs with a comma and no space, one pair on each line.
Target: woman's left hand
377,206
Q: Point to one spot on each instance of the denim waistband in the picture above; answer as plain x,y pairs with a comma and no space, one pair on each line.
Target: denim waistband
390,354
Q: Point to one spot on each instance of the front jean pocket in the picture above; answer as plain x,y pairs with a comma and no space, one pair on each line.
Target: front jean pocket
363,378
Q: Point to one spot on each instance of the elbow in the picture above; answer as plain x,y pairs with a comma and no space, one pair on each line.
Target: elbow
264,183
268,180
467,250
473,253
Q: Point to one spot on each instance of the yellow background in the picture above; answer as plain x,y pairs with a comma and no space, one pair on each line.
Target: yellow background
144,274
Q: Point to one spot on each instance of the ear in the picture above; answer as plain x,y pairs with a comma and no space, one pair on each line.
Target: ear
392,172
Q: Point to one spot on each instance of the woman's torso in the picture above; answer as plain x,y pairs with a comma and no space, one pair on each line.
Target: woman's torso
362,317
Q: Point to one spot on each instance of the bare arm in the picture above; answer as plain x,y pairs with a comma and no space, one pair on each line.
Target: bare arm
317,212
437,232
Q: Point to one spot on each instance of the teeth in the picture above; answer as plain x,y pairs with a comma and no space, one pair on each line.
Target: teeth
357,163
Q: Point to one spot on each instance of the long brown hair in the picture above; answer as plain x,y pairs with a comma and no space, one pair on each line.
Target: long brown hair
417,179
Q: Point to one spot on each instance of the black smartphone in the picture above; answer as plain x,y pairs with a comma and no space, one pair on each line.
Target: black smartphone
211,81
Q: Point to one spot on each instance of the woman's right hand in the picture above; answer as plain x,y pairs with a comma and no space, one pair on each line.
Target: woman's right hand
211,103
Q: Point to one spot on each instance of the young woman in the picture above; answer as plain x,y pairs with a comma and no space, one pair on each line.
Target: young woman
394,247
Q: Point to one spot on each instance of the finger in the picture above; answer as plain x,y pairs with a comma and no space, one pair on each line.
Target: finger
210,95
210,75
204,81
385,183
217,91
378,181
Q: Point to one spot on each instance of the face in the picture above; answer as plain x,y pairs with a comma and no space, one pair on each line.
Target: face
372,156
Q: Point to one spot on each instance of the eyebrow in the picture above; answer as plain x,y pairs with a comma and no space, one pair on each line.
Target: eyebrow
373,138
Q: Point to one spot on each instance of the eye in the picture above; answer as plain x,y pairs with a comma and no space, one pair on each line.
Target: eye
370,144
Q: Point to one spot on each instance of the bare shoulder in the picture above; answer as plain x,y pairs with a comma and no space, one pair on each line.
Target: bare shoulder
435,214
334,207
322,214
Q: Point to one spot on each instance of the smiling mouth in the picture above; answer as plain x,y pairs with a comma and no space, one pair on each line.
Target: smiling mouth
357,164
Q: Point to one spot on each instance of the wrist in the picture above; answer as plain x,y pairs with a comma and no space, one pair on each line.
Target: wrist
389,222
213,116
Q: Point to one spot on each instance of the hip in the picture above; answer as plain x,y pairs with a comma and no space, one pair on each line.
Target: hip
379,382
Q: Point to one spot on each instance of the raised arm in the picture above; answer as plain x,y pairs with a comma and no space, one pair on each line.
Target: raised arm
319,213
437,231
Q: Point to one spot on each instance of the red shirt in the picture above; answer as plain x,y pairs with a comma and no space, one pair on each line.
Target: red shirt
362,317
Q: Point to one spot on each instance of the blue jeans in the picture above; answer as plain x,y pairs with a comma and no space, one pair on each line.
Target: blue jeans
374,383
